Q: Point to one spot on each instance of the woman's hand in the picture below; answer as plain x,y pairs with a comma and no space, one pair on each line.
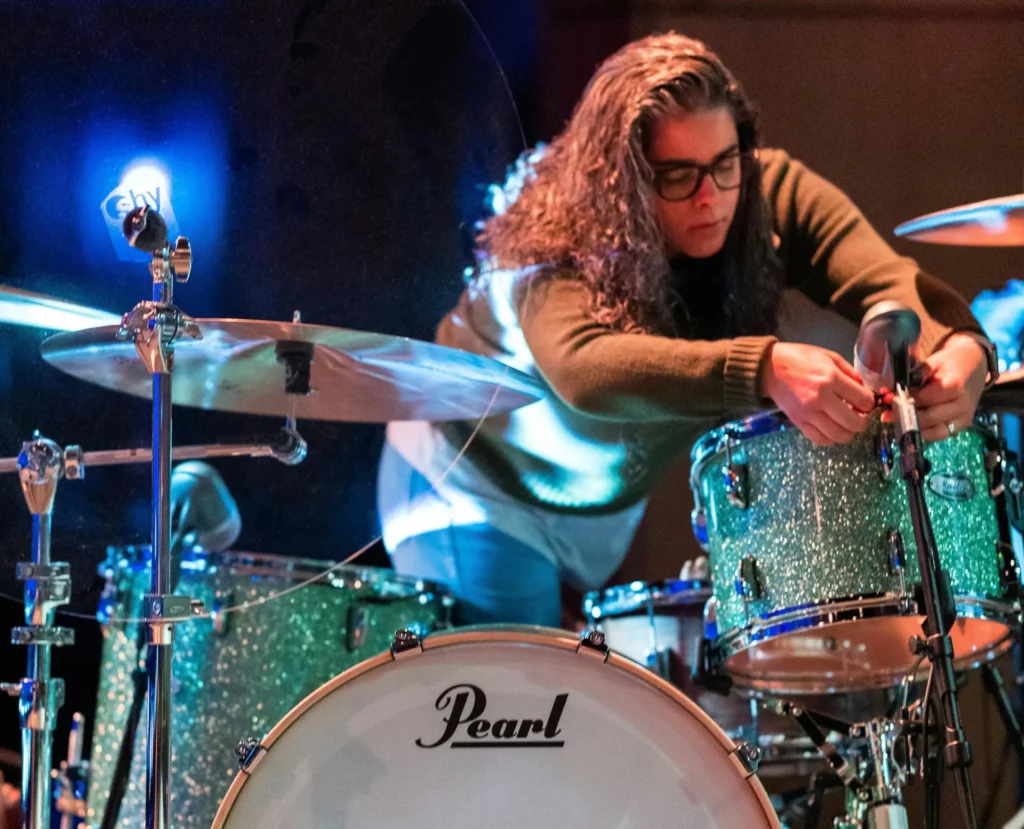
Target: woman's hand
818,391
953,380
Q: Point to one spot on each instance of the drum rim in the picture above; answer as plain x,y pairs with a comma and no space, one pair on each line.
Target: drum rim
824,614
520,634
713,442
622,600
292,569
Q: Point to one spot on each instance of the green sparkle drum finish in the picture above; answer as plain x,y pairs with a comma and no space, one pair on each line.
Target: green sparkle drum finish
235,676
809,596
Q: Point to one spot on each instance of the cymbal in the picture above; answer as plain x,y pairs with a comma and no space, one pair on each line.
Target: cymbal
993,223
1007,395
354,375
19,307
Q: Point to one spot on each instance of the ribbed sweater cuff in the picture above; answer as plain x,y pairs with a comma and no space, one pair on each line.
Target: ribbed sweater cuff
743,369
933,337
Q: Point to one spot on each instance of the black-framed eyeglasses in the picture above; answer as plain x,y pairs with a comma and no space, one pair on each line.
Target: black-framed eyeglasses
679,181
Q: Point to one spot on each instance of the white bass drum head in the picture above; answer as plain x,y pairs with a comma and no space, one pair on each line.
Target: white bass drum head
508,728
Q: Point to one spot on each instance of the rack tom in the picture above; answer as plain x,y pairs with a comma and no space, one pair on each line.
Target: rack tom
660,625
814,562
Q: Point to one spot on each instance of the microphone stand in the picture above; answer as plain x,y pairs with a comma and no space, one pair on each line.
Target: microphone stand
940,608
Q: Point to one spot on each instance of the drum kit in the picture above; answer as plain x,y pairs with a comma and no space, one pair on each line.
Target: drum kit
286,692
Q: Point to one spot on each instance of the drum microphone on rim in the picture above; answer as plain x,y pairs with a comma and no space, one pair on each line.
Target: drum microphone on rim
203,511
887,334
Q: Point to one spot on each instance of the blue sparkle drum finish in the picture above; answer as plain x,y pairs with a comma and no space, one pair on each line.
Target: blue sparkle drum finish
811,594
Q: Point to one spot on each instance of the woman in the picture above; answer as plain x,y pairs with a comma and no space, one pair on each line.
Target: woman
636,266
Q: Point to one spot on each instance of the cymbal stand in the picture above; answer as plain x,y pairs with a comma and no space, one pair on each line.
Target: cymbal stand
940,609
154,326
47,587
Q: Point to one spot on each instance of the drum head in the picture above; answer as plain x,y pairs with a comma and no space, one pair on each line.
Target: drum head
498,728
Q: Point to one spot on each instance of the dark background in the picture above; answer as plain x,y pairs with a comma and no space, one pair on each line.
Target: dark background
330,156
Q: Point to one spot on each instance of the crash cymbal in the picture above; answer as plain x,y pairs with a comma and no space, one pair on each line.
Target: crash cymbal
19,307
354,375
993,223
1007,395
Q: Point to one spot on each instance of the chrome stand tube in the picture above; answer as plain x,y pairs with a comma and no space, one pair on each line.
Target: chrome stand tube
47,587
161,634
289,449
154,326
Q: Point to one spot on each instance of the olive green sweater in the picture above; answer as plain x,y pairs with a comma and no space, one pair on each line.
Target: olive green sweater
623,407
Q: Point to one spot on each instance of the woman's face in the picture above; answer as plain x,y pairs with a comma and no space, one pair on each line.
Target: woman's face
679,141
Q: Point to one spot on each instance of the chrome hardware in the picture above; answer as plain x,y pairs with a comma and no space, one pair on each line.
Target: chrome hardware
888,816
47,587
749,757
74,463
885,446
221,601
39,468
42,635
877,802
748,580
249,753
592,644
38,703
405,643
358,624
699,523
70,781
735,479
897,558
164,612
169,609
180,260
154,326
711,619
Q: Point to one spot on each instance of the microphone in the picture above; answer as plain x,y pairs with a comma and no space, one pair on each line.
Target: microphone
887,333
145,229
203,508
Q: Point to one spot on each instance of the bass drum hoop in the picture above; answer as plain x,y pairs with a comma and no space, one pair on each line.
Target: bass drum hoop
521,634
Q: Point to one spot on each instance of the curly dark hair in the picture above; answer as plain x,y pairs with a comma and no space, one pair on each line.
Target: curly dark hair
584,205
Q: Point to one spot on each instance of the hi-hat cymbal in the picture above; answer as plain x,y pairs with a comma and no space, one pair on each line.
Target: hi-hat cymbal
993,223
354,375
19,307
1007,395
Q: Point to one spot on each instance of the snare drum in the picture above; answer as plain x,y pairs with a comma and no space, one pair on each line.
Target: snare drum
811,593
497,727
660,625
236,674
